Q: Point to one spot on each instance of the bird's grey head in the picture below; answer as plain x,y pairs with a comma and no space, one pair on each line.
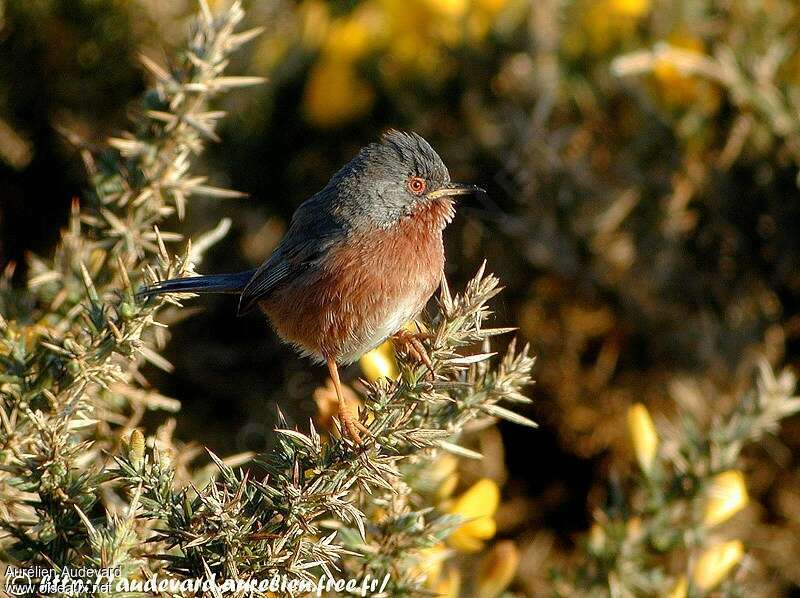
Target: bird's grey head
388,179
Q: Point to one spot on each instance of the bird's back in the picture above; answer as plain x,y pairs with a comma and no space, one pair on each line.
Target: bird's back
315,229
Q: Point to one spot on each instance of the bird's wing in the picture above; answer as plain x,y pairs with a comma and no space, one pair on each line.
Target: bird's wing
311,235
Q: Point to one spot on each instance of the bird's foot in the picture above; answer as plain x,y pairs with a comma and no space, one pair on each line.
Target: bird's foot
411,343
352,427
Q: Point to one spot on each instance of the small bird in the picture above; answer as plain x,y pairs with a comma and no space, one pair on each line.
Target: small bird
360,259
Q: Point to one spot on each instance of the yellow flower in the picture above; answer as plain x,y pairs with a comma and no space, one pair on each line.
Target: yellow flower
477,505
601,24
379,363
447,486
404,16
411,52
444,465
630,8
478,25
666,71
678,89
413,47
449,8
491,6
643,435
497,569
429,564
448,586
483,17
335,94
727,495
715,564
348,39
680,589
440,477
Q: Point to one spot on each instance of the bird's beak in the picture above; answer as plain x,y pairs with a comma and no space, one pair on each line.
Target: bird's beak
452,189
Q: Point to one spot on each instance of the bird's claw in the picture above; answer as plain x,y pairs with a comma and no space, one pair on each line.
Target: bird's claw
353,428
411,343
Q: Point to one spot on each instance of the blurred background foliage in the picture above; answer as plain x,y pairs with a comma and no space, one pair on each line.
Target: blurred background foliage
641,160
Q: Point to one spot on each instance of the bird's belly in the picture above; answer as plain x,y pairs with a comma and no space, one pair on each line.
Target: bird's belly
373,331
361,298
322,324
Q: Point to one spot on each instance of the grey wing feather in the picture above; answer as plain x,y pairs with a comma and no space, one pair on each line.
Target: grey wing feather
312,233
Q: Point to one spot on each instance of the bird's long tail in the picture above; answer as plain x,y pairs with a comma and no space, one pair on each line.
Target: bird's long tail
214,283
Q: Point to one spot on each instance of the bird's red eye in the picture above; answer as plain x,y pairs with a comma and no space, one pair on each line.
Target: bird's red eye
416,185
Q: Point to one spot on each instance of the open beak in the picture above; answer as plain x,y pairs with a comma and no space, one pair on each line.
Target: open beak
452,189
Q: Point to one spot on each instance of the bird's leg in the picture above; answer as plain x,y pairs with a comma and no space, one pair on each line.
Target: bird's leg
411,343
351,426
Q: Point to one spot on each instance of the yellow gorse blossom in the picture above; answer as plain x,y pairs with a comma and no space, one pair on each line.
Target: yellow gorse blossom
478,506
667,71
727,495
444,474
680,589
676,88
352,37
601,24
408,38
380,363
449,584
716,563
447,486
643,436
335,93
630,8
482,17
497,570
444,465
429,564
449,8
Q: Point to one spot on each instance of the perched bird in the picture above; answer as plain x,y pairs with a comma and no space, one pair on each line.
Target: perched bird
360,259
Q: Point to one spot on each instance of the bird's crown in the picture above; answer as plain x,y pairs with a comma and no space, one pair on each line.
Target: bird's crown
395,157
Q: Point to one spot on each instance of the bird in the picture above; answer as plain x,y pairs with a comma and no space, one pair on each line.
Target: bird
359,260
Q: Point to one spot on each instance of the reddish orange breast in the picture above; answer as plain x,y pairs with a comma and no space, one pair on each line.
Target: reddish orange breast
366,290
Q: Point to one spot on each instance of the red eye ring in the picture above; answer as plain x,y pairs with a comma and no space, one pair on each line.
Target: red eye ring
416,185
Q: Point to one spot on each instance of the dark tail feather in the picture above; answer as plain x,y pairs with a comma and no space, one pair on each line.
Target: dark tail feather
214,283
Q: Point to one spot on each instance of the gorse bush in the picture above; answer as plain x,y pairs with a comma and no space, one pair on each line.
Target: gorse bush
73,339
73,395
87,478
659,533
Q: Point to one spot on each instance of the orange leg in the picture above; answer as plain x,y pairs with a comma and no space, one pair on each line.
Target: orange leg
351,425
413,345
